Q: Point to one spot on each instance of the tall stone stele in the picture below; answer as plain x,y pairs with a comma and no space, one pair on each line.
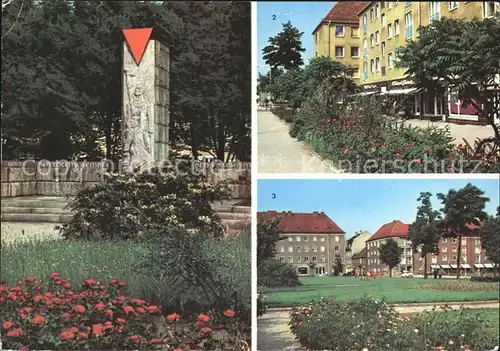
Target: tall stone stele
145,107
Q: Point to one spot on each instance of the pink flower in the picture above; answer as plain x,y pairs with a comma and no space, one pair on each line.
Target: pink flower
346,151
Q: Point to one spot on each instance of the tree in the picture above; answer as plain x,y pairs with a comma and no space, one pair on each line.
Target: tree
268,234
490,238
312,266
424,234
338,265
390,254
463,56
263,82
284,49
463,215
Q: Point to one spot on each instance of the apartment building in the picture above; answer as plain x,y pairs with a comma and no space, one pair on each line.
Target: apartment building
314,241
473,258
398,231
354,246
337,35
359,261
386,26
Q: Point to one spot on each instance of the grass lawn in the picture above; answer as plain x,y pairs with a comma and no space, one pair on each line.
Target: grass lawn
393,289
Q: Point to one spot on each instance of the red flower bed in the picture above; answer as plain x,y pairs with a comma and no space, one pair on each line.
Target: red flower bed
51,315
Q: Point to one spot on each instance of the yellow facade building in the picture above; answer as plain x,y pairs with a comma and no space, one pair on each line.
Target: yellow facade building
337,35
384,26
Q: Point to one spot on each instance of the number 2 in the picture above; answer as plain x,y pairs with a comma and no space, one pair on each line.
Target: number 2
274,17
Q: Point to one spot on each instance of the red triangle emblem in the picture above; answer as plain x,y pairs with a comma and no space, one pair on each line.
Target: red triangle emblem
137,40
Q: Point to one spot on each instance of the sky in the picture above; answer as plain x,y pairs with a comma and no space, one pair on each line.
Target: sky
303,15
362,204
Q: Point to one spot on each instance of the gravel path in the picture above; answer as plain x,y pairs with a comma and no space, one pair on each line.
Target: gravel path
12,232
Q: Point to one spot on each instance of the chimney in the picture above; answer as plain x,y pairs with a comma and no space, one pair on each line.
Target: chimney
315,213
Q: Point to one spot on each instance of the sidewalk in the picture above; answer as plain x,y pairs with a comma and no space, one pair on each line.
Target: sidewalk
278,152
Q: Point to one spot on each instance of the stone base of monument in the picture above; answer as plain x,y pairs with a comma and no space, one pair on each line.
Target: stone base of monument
32,210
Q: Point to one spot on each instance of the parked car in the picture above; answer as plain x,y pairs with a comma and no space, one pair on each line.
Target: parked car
407,275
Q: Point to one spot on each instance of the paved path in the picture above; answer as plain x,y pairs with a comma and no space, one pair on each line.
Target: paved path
278,152
458,131
273,332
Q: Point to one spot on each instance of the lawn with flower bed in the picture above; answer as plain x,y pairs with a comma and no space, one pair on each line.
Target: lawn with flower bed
395,290
371,324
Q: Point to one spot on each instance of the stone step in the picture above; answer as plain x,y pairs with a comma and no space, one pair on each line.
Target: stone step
36,217
36,210
234,215
51,202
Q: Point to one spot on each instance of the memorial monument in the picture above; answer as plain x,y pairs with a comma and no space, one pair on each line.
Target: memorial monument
145,100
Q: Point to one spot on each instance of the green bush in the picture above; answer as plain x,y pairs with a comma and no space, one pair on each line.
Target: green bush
273,273
284,113
374,325
127,206
196,272
359,136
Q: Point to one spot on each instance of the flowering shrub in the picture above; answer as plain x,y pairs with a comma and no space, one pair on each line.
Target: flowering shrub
127,206
54,316
372,325
461,286
362,139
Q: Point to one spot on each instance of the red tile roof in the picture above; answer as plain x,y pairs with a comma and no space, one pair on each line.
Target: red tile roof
344,12
394,229
294,222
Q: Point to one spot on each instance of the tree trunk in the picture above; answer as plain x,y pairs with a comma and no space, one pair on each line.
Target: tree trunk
459,255
390,272
426,257
194,139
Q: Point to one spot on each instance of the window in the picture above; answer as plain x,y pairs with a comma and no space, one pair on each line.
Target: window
464,241
315,238
282,259
365,23
407,3
339,30
282,249
314,248
313,258
337,239
434,14
452,5
489,8
396,27
336,248
371,15
305,238
356,73
290,249
454,240
322,238
297,248
408,25
377,64
290,238
376,11
454,259
365,70
355,32
389,30
297,238
306,248
290,259
477,250
372,66
464,250
402,242
445,240
322,259
434,259
454,249
365,47
298,259
377,37
444,258
464,259
306,259
382,20
322,248
382,47
478,242
444,249
478,258
354,53
389,60
372,40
